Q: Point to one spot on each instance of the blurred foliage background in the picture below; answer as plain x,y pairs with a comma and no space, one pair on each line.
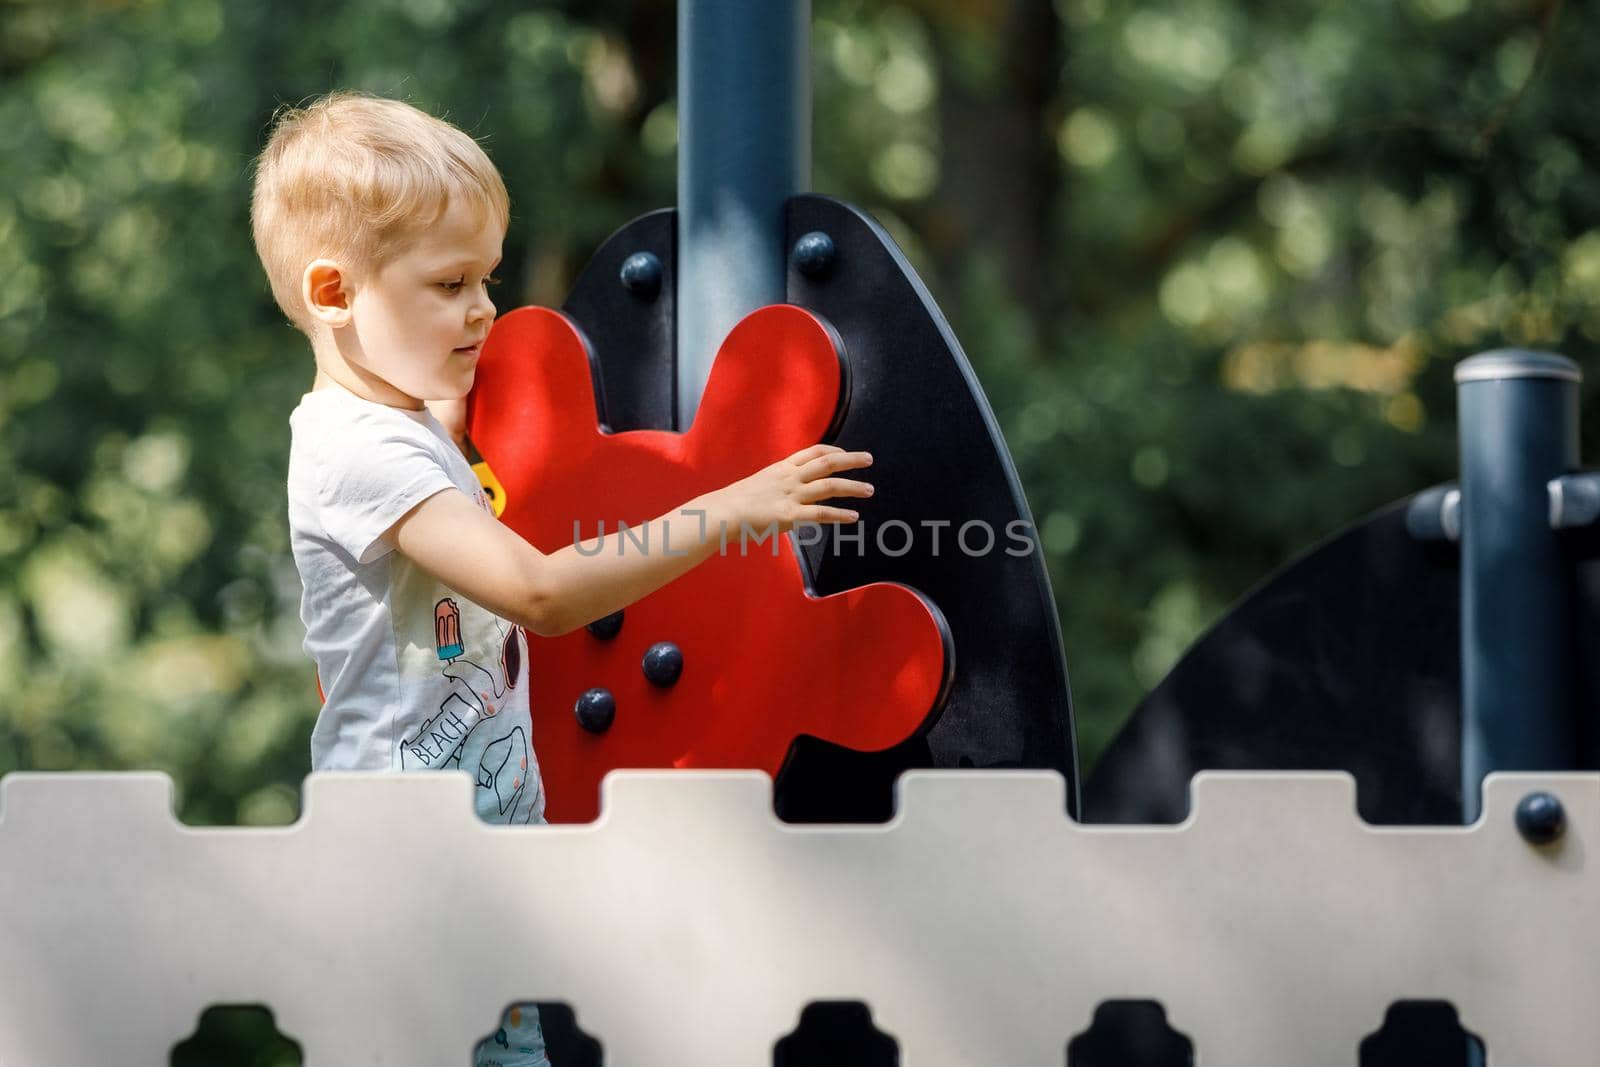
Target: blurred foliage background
1213,261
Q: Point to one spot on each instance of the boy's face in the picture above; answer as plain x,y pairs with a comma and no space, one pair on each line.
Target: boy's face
421,318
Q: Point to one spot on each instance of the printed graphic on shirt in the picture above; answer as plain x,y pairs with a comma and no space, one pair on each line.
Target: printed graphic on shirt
487,503
505,761
447,629
467,732
511,656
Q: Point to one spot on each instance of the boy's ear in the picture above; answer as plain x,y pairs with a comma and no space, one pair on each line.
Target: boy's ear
326,292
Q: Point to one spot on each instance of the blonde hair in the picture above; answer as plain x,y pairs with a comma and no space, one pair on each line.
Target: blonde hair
354,178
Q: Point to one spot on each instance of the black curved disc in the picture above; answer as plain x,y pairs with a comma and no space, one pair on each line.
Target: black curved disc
1583,549
632,339
1349,658
916,405
1346,659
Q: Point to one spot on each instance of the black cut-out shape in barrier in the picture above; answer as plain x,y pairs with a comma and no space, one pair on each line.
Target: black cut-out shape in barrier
1347,659
836,1033
1135,1033
938,457
566,1043
632,338
1420,1033
239,1035
1130,1033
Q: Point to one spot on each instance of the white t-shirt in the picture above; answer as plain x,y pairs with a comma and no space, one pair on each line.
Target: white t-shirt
416,676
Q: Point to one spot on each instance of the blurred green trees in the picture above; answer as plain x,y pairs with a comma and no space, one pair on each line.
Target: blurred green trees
1213,260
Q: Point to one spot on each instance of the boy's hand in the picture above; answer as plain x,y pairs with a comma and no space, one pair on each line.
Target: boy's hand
787,493
450,537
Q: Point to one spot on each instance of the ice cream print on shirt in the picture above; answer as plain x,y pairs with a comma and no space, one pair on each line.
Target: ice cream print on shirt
480,724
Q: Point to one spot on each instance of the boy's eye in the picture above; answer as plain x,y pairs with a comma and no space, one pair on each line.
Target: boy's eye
454,286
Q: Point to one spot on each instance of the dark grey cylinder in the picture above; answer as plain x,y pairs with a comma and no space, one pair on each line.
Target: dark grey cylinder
1519,429
744,148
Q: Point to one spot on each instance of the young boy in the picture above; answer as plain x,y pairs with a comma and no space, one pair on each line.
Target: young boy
379,228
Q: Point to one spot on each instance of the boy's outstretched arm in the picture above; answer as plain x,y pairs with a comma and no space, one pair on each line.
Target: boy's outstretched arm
451,538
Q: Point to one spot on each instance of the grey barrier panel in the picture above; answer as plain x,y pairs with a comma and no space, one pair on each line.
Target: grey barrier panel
689,927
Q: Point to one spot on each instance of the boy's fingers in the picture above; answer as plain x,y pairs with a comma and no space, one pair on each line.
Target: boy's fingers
806,455
842,461
830,515
833,462
828,488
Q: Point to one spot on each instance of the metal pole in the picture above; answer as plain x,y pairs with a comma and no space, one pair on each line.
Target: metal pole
1519,430
744,148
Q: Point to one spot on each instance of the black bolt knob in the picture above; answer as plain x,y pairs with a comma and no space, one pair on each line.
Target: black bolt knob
607,628
663,663
596,710
814,254
641,275
1540,818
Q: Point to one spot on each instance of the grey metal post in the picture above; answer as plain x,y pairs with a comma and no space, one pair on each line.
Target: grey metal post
744,147
1519,429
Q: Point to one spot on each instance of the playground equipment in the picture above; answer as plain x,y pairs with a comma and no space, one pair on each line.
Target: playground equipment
986,920
689,926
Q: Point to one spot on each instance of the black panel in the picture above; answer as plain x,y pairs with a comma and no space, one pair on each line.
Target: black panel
1349,658
938,456
1346,659
1583,548
632,337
